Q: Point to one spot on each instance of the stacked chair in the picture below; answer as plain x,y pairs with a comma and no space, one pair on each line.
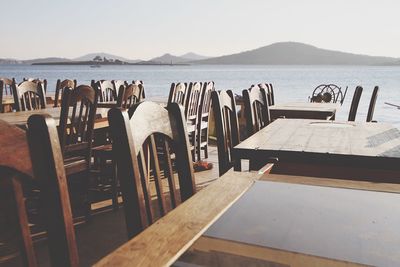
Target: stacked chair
195,99
6,89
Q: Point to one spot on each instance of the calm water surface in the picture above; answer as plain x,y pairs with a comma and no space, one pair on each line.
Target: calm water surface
292,83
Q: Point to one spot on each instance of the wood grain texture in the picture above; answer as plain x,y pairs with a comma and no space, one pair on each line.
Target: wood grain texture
341,144
299,110
164,241
20,118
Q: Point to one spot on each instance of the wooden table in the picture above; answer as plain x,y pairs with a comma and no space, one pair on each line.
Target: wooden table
327,149
300,110
239,219
20,118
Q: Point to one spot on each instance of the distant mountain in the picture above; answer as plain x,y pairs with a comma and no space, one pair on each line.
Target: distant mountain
193,56
168,59
292,53
91,56
46,60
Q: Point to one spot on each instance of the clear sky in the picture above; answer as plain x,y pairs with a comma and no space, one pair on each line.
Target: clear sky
149,28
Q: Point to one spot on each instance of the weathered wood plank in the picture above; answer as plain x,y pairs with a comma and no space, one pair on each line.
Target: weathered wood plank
164,241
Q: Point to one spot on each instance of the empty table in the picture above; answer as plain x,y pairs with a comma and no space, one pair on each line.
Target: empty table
299,110
327,149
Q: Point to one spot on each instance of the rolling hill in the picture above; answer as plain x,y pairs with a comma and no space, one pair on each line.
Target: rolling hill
292,53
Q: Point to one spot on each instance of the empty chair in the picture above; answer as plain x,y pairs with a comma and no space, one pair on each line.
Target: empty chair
60,86
107,91
178,93
227,128
37,161
136,144
78,111
37,80
269,92
328,93
372,103
117,85
29,96
137,82
6,86
202,125
354,103
256,109
129,95
192,113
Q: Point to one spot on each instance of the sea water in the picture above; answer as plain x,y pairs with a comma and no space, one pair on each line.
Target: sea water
291,83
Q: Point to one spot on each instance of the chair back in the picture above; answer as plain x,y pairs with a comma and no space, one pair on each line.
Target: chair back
35,156
78,113
130,95
269,90
354,103
43,82
205,100
226,126
143,146
48,166
29,96
256,109
178,93
372,103
60,86
107,91
193,102
7,86
328,93
117,85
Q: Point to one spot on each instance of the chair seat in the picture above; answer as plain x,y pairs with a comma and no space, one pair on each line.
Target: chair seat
102,150
75,164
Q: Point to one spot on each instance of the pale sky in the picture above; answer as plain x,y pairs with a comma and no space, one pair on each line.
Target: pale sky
149,28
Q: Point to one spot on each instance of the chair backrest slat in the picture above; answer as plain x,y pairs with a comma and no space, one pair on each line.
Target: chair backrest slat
372,103
144,140
178,93
130,95
107,91
354,103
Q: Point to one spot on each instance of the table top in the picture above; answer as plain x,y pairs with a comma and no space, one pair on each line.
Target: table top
20,118
328,107
323,138
187,224
344,225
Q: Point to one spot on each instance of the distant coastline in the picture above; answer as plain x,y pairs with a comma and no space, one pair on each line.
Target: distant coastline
96,63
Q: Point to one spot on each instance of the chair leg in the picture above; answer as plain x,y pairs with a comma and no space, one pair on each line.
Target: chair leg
206,151
114,187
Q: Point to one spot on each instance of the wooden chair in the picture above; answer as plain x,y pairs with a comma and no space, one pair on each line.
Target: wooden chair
37,159
78,112
7,85
107,91
372,103
29,96
117,85
269,92
192,114
202,125
60,87
328,93
104,163
178,93
135,143
6,89
137,82
129,96
227,128
354,103
43,82
256,109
